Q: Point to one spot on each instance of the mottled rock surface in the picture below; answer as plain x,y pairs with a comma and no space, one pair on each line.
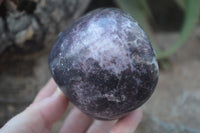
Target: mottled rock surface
105,64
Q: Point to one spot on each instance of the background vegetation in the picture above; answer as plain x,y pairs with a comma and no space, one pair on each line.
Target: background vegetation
141,11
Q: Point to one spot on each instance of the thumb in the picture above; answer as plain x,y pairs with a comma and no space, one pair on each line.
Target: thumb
39,116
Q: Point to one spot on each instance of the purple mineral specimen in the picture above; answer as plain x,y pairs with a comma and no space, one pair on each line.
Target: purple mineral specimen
105,64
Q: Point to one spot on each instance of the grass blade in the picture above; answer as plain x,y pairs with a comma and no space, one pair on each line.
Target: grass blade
192,13
181,3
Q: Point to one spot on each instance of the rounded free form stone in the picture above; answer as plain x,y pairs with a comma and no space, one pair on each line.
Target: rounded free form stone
105,64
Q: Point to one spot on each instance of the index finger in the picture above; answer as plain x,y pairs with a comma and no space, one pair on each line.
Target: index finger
46,91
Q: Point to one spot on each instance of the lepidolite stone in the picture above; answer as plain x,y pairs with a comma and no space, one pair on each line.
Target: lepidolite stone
105,64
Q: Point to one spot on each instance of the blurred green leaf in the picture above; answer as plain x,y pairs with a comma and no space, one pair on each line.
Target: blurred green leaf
146,9
192,12
181,3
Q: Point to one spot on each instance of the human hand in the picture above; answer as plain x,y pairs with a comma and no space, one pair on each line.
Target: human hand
50,104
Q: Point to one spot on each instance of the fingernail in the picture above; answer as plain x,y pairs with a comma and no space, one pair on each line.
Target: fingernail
58,92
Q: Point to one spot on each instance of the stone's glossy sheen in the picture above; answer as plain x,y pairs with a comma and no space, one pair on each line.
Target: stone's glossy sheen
105,64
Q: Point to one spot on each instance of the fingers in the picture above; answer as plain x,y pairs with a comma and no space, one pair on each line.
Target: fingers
101,126
46,91
76,122
50,108
129,123
38,117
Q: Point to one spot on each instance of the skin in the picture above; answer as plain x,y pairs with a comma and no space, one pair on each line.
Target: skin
50,104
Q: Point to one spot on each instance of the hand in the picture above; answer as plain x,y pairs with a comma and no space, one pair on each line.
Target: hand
50,104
